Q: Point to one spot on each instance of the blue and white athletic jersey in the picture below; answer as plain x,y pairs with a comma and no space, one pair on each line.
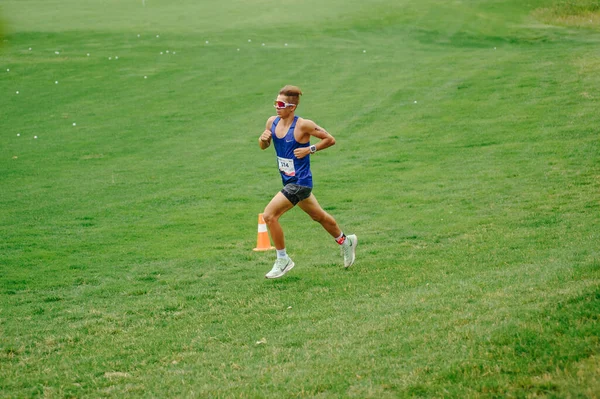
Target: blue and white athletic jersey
292,169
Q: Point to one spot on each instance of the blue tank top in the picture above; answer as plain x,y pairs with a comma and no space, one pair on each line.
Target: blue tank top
292,169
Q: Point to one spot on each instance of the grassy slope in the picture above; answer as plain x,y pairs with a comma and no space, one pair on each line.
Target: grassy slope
126,262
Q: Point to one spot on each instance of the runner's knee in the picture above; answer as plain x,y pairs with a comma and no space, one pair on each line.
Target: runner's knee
269,217
319,217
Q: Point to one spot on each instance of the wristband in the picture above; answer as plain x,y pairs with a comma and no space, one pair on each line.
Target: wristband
313,149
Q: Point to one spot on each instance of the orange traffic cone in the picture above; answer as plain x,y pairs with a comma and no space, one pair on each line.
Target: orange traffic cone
263,243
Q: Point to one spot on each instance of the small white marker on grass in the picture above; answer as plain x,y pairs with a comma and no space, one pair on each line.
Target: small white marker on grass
56,52
145,77
74,124
18,134
7,70
35,137
88,54
17,91
56,82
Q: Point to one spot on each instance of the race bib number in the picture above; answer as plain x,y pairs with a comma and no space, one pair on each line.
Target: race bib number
286,166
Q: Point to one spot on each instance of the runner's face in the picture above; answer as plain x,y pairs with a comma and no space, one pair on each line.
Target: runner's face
284,112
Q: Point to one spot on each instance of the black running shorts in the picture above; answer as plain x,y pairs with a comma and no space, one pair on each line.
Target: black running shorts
296,193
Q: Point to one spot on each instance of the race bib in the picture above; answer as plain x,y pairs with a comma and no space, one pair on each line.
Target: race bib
286,166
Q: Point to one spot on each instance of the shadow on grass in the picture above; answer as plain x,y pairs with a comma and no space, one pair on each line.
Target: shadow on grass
282,282
546,343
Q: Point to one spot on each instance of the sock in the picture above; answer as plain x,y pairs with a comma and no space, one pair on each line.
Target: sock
340,240
281,253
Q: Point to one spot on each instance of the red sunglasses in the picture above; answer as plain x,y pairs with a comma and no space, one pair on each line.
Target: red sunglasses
281,104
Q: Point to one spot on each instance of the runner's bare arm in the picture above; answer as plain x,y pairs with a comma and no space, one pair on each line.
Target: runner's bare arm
264,141
310,128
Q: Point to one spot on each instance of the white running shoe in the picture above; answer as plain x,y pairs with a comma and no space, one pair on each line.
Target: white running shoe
281,267
349,250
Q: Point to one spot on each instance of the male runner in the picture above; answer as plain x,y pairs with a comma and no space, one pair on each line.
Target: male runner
291,137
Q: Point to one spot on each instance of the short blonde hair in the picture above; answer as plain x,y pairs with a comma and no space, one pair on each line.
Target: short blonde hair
293,93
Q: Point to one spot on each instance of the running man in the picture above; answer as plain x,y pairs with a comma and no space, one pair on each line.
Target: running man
291,137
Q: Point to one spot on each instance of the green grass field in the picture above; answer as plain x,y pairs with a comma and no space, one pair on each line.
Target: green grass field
467,162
